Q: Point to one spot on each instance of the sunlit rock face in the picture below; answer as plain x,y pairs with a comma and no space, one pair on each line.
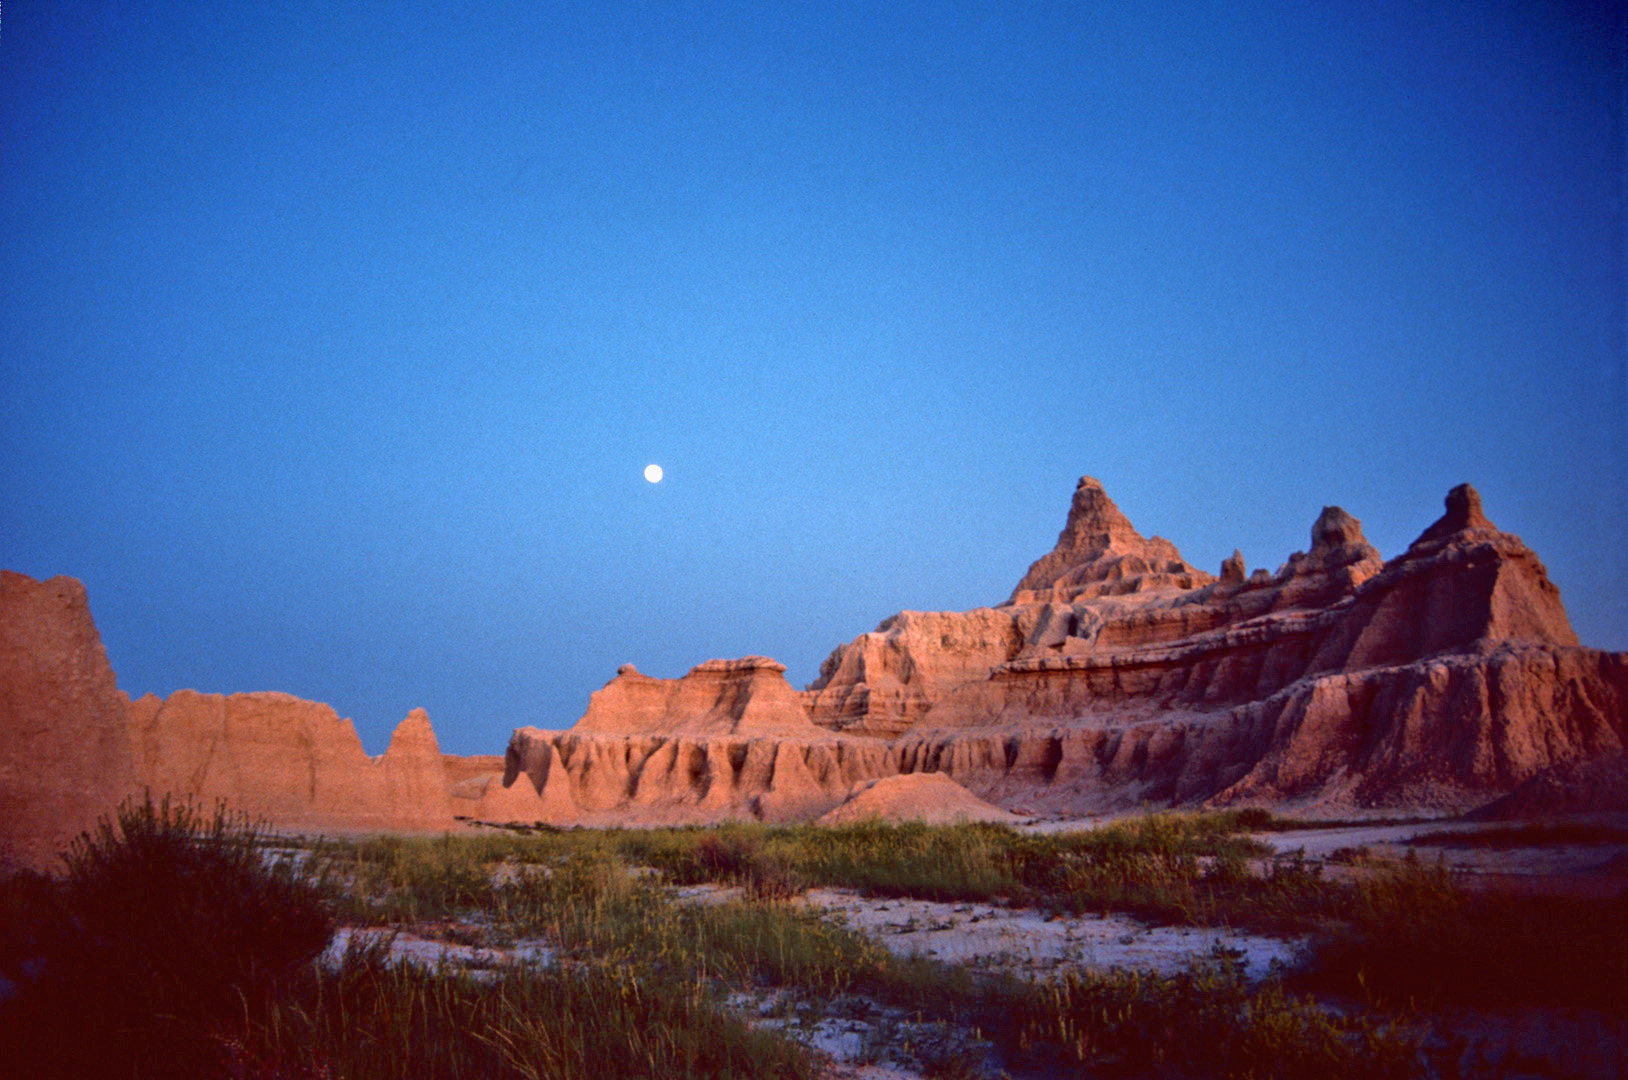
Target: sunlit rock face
64,748
730,739
292,763
1119,676
72,745
1116,676
749,696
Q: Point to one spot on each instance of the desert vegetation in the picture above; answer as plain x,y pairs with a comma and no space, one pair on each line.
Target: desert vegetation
178,942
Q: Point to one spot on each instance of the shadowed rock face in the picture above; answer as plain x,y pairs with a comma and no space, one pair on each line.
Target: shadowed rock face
1118,676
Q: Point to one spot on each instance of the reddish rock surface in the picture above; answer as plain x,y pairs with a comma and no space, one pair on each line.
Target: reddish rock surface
1591,786
1118,676
293,763
932,798
1439,680
64,748
72,746
749,696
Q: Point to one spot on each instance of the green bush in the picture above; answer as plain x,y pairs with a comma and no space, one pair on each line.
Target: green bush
168,932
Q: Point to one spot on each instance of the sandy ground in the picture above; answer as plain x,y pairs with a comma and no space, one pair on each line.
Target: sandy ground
1026,941
429,952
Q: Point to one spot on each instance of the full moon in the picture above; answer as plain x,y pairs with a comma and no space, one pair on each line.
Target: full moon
652,473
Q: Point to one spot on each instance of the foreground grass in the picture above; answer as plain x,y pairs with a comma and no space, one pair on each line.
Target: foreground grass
1413,937
1191,869
1398,934
598,910
176,947
596,1020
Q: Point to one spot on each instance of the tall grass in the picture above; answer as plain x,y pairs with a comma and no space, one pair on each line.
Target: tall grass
168,929
597,909
1415,937
1208,1020
174,945
373,1020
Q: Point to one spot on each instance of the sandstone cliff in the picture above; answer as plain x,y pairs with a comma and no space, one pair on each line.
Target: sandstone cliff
730,739
291,762
1116,676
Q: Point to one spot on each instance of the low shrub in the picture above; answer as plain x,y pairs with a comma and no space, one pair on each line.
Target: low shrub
1209,1020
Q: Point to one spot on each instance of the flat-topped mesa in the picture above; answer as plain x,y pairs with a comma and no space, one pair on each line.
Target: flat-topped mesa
1100,553
749,696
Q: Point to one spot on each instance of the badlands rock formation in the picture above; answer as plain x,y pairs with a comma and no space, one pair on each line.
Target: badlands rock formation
72,746
730,739
1118,676
64,753
288,761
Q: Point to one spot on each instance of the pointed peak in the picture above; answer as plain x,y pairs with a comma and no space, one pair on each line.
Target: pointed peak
1095,521
1099,551
1334,528
414,734
1233,571
1464,514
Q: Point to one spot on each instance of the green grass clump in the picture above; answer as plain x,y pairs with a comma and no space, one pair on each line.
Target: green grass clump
168,932
1182,868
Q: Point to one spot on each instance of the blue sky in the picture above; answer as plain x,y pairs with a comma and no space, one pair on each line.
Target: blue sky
335,338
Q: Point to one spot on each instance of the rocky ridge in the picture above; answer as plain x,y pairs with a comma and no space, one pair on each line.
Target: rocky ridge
1115,676
1118,676
73,746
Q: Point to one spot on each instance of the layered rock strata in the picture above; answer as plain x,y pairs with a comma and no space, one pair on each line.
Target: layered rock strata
1117,675
730,739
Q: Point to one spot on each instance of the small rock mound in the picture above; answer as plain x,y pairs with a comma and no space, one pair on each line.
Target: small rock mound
932,798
